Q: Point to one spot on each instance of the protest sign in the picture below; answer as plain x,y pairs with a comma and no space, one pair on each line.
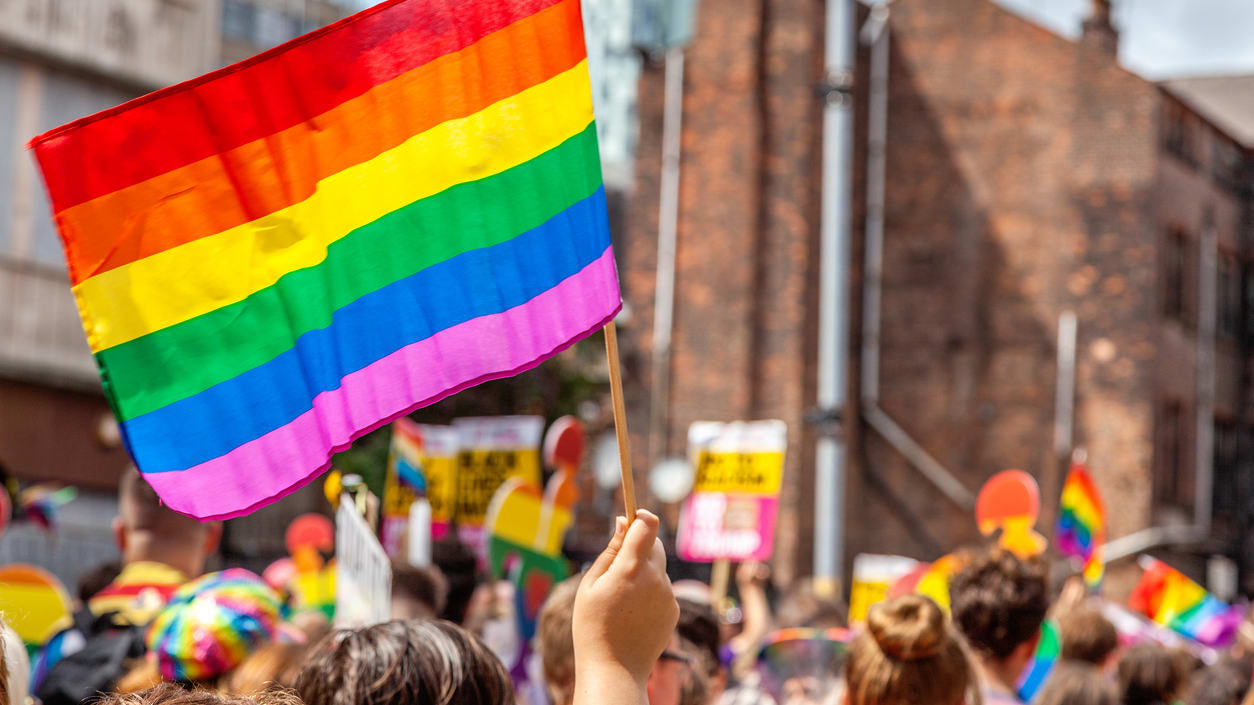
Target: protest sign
404,483
873,577
363,578
525,528
439,465
491,450
732,509
1009,503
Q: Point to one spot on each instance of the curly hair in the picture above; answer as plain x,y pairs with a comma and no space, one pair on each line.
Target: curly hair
998,602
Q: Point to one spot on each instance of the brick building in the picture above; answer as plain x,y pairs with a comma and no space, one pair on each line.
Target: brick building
1027,175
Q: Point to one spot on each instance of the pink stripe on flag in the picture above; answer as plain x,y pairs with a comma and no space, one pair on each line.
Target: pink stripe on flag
484,348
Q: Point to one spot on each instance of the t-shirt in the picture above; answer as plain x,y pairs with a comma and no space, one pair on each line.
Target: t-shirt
998,697
138,593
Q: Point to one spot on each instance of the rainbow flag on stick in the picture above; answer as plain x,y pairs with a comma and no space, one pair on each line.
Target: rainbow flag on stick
1082,524
1171,599
277,257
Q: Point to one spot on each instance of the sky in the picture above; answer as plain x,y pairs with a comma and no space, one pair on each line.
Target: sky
1163,38
1160,38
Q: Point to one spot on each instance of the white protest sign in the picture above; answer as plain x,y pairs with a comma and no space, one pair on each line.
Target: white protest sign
363,573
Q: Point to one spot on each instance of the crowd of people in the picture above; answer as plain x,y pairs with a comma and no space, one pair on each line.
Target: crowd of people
149,632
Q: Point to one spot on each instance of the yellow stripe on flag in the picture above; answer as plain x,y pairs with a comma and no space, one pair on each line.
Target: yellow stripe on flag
198,277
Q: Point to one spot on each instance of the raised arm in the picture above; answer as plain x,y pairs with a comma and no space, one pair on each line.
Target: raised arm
625,613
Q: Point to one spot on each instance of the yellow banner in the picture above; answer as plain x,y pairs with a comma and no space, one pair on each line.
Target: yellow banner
441,470
743,473
480,472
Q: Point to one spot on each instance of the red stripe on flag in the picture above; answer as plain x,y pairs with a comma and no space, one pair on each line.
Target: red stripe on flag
257,97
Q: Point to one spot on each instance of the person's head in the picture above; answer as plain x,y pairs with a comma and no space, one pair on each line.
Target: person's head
14,667
460,568
212,624
1077,683
171,694
1149,675
1225,683
1087,636
415,662
670,674
555,642
699,631
908,655
417,593
147,530
999,603
806,606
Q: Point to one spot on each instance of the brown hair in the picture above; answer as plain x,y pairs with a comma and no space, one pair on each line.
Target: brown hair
171,694
555,643
1225,683
805,606
425,586
1087,636
414,662
698,626
998,601
908,655
1149,674
1077,683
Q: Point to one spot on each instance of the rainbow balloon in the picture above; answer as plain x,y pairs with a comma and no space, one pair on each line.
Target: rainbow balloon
278,257
1082,524
1170,598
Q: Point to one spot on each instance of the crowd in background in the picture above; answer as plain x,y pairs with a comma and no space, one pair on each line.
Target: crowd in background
155,630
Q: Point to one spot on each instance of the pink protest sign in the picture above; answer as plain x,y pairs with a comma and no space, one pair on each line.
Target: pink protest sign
735,499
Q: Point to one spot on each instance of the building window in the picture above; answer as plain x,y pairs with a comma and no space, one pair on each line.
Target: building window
239,20
1228,295
1175,274
1226,164
1172,485
1226,472
1178,133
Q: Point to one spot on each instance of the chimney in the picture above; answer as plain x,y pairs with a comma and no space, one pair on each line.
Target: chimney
1098,30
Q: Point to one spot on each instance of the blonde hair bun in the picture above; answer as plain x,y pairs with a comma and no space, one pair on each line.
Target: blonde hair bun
907,628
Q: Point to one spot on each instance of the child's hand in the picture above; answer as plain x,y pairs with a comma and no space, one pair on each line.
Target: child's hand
625,612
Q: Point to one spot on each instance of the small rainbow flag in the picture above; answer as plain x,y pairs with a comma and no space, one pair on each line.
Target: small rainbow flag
1048,652
278,257
1082,524
1171,599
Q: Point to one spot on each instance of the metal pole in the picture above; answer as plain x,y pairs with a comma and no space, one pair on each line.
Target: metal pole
1064,392
668,225
1203,462
834,229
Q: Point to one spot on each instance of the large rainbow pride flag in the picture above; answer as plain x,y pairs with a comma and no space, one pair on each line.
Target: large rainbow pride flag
277,257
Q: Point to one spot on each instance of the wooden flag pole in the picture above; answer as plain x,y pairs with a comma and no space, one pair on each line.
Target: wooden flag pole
620,420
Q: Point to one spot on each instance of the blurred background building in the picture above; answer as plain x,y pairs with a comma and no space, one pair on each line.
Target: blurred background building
1027,176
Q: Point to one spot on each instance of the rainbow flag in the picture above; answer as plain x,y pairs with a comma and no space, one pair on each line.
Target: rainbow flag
1082,524
1048,652
1171,599
278,257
